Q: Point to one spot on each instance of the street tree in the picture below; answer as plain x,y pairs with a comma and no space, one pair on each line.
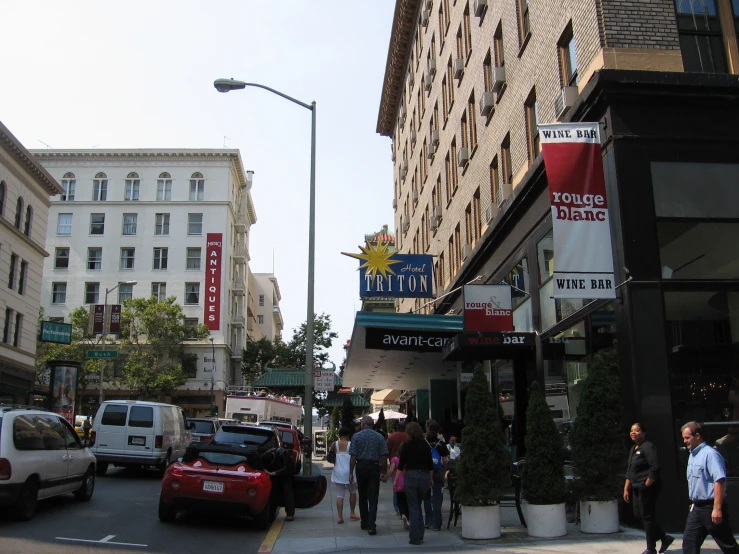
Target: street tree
259,353
153,334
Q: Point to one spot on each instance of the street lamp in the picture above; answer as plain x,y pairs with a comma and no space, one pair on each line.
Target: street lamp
213,374
226,85
106,327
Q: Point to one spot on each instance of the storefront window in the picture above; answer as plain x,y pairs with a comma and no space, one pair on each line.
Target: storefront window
545,256
693,249
523,320
518,279
555,310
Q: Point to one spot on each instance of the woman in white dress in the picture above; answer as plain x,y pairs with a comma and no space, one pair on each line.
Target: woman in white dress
340,476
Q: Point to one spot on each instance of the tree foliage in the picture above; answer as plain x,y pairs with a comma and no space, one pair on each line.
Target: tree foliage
335,414
543,474
484,468
258,354
152,333
347,415
597,435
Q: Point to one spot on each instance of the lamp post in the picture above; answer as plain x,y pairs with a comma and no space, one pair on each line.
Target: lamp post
226,85
106,327
213,375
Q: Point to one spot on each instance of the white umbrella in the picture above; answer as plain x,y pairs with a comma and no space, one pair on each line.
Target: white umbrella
389,414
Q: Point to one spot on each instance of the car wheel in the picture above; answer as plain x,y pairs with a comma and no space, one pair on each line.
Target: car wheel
101,468
84,493
263,519
25,507
167,513
164,465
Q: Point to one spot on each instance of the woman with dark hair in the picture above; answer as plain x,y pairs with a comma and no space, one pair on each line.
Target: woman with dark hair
642,487
340,475
415,460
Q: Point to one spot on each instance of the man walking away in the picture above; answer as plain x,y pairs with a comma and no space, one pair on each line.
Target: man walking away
369,456
707,491
440,457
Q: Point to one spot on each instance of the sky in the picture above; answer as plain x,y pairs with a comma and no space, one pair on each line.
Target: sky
139,74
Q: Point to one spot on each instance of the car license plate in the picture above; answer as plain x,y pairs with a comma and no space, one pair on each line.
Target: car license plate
138,441
213,486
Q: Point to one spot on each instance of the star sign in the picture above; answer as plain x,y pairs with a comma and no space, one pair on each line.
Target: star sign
376,258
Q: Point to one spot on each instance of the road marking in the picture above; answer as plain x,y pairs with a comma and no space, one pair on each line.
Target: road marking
274,531
105,540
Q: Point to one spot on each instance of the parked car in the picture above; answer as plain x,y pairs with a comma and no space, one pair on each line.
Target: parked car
248,437
283,424
130,433
203,429
291,443
40,456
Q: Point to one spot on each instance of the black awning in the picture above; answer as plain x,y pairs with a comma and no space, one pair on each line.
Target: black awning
489,346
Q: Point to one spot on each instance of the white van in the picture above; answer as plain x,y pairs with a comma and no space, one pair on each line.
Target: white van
130,433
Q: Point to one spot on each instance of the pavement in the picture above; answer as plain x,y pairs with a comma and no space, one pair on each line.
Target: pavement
315,531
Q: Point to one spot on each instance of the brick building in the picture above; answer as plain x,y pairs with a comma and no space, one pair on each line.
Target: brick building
466,84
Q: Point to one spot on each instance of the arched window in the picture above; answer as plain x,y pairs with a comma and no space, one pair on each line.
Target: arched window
19,213
29,217
197,184
164,186
2,197
132,186
69,182
100,187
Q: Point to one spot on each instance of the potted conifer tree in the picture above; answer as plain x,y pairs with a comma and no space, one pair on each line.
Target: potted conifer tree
597,445
544,487
483,469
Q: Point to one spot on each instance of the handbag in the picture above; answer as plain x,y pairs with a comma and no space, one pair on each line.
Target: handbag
331,456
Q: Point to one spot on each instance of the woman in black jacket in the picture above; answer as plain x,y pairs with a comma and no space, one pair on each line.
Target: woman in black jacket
642,487
415,459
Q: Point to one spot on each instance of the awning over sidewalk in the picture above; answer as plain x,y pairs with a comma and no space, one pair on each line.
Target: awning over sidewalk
489,346
385,396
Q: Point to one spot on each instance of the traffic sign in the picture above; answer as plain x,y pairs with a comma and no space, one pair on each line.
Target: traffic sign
102,354
323,381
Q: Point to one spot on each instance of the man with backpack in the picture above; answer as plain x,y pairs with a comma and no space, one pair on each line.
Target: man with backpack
440,457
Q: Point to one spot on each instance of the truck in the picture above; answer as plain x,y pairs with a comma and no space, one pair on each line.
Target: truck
252,405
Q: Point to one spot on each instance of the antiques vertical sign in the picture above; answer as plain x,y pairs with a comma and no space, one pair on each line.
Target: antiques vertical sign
213,255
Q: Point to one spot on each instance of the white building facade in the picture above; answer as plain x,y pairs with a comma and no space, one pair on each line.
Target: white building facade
267,305
174,221
25,188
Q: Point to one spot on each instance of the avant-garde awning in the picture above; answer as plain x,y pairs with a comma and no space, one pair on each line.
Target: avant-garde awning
385,396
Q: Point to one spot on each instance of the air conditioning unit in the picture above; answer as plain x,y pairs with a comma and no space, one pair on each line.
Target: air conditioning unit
414,197
487,103
425,15
411,79
466,251
463,156
434,224
436,213
504,192
498,78
480,7
406,226
491,212
431,69
430,151
564,101
435,137
413,136
395,203
458,68
403,169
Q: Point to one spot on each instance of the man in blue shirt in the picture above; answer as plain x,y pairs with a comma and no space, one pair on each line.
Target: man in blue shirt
369,455
707,491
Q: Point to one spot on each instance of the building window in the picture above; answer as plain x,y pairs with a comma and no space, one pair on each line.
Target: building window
454,170
69,183
18,330
532,126
125,292
92,293
22,277
191,322
129,224
444,99
19,213
441,280
457,247
127,257
467,32
100,187
159,291
261,300
193,258
61,258
95,258
701,42
64,224
472,122
505,156
197,185
194,224
11,271
2,197
97,224
59,293
545,257
132,186
160,258
260,319
568,58
450,80
192,293
524,21
164,187
494,181
6,327
29,218
162,224
477,215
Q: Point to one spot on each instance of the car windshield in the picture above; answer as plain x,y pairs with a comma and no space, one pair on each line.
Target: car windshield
205,427
241,435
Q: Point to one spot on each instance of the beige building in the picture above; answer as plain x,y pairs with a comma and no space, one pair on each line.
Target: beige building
267,315
25,189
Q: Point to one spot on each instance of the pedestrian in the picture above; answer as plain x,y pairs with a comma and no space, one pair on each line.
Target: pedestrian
279,465
398,489
369,456
394,441
642,487
340,475
415,459
707,491
86,427
440,458
453,449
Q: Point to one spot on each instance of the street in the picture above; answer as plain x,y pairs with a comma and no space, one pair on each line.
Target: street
122,517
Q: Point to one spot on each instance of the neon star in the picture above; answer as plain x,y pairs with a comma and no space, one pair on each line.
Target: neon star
376,258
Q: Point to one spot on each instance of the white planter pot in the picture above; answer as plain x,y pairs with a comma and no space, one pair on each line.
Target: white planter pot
546,520
599,517
481,522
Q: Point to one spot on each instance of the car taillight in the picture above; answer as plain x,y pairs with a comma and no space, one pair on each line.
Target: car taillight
5,469
158,441
206,439
93,435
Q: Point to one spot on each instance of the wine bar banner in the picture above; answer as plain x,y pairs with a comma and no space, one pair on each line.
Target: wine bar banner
583,257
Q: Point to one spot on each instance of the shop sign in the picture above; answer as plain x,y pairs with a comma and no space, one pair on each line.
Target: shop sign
213,255
380,338
583,260
64,391
60,333
487,308
98,319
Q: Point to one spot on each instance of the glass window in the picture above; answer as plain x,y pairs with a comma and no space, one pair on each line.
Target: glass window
701,43
97,224
141,416
94,258
159,291
693,249
22,277
545,257
193,258
115,415
197,185
2,197
194,224
58,293
29,217
11,271
18,332
160,258
518,278
129,224
52,432
162,224
192,293
69,183
64,224
125,292
92,293
132,187
164,187
261,300
26,434
554,310
568,58
19,213
100,187
260,319
61,258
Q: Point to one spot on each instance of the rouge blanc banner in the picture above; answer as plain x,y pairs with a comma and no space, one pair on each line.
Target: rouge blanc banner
212,303
583,258
487,308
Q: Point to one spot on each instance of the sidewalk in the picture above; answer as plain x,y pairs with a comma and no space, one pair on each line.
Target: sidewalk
315,531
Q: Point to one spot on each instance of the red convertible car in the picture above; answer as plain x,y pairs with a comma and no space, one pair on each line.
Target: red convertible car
228,476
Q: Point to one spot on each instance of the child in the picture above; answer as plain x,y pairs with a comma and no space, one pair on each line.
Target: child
398,488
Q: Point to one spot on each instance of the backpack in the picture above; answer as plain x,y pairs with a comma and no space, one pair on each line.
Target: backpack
436,458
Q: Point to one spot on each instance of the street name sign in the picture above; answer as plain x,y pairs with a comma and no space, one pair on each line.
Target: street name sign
102,354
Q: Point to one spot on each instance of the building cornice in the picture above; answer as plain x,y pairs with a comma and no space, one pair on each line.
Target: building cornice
24,157
22,237
401,42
